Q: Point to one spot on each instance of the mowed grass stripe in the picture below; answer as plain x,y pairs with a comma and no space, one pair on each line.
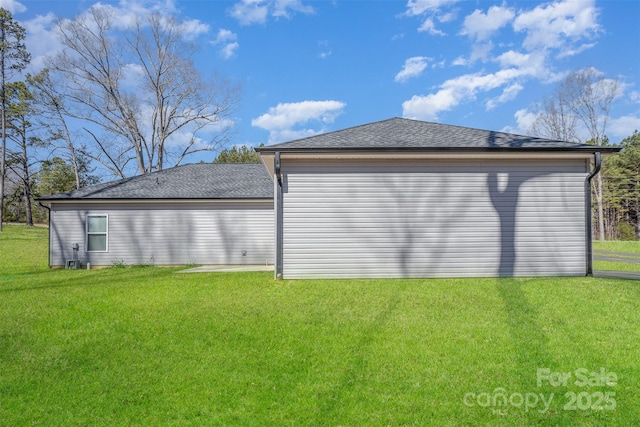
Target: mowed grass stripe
146,346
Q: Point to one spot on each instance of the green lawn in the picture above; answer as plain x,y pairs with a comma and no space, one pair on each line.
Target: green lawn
617,246
147,346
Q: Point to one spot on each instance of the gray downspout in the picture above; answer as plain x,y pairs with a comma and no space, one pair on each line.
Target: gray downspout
587,190
49,244
279,212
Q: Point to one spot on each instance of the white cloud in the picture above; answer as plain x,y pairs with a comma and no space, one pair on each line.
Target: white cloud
551,31
284,120
524,122
413,67
508,94
430,9
228,42
193,28
463,88
513,59
12,6
249,12
448,16
533,64
481,51
481,26
418,7
557,24
225,36
622,127
634,96
572,52
41,40
428,107
460,61
430,27
282,8
229,49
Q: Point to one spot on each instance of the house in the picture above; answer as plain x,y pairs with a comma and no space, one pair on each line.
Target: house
395,198
406,198
191,214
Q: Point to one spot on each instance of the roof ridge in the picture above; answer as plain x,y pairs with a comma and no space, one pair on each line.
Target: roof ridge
258,149
411,134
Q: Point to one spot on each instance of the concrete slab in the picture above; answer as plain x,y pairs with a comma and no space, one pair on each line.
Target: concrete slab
227,268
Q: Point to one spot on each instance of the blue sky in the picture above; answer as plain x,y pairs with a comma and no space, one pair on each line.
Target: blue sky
314,66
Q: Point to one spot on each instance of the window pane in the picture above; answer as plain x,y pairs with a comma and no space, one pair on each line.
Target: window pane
97,224
97,242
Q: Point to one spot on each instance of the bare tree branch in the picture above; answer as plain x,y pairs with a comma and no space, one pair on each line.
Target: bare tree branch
141,88
585,98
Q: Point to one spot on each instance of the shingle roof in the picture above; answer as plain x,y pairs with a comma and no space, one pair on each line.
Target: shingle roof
407,134
193,181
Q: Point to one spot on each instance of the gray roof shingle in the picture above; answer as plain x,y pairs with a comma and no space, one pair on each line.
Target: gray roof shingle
406,134
192,181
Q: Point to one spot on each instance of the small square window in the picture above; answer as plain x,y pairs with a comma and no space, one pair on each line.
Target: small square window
97,232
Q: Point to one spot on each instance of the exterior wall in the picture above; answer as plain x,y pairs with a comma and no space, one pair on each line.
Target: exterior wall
428,218
167,233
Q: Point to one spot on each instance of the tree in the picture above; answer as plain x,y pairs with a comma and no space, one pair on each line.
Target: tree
554,120
590,97
622,188
140,89
583,98
13,58
51,113
19,101
58,176
243,154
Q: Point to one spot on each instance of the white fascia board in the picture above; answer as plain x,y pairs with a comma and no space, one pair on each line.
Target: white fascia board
481,155
268,160
268,157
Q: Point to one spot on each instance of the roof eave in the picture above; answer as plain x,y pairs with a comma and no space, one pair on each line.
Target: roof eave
153,200
409,150
478,153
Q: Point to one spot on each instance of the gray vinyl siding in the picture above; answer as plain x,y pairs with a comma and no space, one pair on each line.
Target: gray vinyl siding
167,233
433,218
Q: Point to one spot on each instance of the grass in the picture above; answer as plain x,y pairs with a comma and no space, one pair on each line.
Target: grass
146,346
618,246
632,247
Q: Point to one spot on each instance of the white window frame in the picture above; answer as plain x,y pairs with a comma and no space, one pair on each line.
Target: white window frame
105,233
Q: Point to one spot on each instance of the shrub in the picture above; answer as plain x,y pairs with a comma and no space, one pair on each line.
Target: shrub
626,231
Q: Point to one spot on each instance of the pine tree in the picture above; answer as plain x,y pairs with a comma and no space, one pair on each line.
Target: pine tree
13,59
243,154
